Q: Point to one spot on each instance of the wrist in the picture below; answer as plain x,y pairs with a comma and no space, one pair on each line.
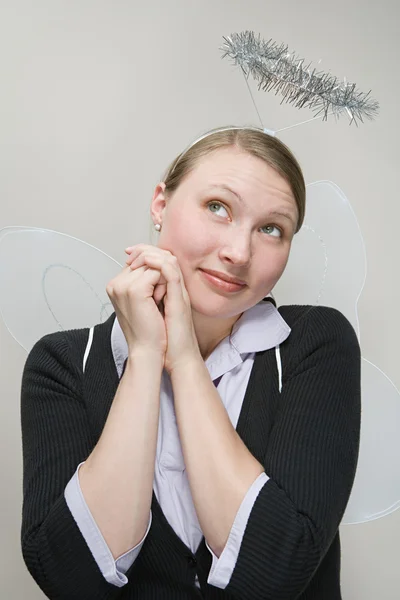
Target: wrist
189,363
146,355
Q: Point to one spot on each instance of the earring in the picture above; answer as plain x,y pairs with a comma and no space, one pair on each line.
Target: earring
157,226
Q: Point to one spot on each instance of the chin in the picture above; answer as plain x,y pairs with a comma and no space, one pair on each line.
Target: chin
219,307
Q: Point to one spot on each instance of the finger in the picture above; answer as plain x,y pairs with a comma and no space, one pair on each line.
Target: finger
158,261
171,271
141,247
132,250
149,264
133,256
165,262
135,251
135,260
159,292
153,259
136,248
126,276
129,285
132,253
147,250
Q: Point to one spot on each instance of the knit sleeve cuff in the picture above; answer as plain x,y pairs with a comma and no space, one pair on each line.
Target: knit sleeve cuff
112,570
222,567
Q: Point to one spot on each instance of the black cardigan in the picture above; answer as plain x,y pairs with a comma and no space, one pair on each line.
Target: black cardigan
307,438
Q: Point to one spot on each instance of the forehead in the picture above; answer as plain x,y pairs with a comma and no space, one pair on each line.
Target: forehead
230,162
249,176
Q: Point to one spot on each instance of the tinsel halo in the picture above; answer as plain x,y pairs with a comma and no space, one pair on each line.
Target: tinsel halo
274,68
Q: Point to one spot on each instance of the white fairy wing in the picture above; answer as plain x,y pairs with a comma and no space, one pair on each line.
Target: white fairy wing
50,281
376,490
327,266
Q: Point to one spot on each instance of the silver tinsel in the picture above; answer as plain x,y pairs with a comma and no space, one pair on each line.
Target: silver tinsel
274,68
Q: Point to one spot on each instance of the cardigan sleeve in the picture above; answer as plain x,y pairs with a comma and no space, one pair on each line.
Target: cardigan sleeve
222,566
311,458
113,569
55,439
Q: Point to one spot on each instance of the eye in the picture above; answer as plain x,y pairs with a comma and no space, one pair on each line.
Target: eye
272,228
218,204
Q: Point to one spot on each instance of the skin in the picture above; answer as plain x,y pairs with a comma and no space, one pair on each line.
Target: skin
241,239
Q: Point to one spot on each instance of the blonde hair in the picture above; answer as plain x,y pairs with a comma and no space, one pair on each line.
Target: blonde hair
252,140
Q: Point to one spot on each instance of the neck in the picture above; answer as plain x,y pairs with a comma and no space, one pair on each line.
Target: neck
210,331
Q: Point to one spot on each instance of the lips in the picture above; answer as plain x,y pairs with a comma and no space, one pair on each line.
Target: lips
224,277
221,284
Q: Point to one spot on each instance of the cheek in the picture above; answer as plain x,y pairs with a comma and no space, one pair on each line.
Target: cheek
281,265
282,259
190,237
269,271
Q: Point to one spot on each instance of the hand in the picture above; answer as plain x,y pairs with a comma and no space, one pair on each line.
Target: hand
182,342
131,294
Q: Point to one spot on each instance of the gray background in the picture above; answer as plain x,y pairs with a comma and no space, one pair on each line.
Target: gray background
97,97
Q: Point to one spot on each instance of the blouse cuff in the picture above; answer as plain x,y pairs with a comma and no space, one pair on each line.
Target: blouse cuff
222,567
112,570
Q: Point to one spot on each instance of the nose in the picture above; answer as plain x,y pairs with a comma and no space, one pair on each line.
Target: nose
237,250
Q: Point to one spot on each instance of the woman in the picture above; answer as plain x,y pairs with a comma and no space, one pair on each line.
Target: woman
141,478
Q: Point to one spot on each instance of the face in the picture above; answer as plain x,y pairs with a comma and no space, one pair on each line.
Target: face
233,214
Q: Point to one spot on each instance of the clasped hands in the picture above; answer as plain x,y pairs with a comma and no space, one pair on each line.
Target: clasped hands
182,344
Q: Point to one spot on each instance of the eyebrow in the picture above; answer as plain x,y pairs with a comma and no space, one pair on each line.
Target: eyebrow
279,213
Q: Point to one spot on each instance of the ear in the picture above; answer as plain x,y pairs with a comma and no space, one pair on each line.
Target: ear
158,202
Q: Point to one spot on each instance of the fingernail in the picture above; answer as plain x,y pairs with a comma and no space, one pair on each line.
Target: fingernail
129,249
